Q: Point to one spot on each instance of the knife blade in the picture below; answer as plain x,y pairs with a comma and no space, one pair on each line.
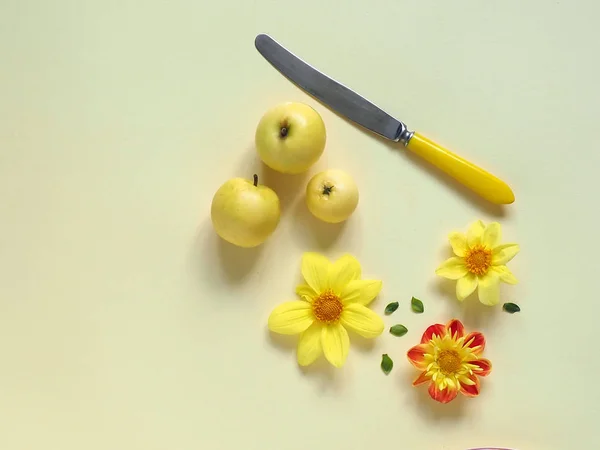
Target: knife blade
366,114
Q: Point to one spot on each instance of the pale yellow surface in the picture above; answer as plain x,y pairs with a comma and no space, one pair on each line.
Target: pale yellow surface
126,324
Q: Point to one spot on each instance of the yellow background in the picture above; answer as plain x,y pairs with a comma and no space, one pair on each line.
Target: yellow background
126,324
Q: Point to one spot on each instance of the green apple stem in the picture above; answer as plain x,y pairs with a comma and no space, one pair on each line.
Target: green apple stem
255,180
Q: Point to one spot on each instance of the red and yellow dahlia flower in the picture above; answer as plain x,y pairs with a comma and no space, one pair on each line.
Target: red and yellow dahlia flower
449,360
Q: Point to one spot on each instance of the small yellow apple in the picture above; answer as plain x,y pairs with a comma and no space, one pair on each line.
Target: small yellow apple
245,213
290,137
332,196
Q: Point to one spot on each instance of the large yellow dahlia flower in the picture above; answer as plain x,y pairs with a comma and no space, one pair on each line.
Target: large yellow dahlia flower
333,300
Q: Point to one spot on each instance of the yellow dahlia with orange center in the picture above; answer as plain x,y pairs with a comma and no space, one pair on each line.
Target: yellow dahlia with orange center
480,262
333,300
449,360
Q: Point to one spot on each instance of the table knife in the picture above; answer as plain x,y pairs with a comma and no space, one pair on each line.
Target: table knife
364,113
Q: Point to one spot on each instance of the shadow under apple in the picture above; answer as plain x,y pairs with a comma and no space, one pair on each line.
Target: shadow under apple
289,188
214,258
313,231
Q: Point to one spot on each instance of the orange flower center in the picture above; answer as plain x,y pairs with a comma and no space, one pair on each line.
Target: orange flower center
478,260
449,361
327,307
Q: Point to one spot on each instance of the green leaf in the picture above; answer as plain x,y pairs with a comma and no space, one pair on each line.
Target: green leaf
417,305
386,364
511,308
391,308
398,330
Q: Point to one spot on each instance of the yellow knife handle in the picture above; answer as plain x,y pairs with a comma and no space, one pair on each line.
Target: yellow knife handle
478,180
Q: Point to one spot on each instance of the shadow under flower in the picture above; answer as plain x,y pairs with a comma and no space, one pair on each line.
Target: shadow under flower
361,344
329,376
426,406
283,342
474,314
321,369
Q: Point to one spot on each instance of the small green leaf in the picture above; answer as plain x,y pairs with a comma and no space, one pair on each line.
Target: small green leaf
417,305
398,330
386,364
391,308
511,308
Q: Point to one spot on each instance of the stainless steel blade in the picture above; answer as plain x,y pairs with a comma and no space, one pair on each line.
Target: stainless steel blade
330,92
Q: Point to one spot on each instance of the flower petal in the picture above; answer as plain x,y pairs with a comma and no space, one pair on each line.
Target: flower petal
336,344
505,274
489,288
465,286
475,233
470,390
475,341
453,268
458,241
315,270
484,367
361,291
291,318
309,345
342,271
306,293
416,356
362,320
422,378
437,329
442,395
504,253
492,235
456,329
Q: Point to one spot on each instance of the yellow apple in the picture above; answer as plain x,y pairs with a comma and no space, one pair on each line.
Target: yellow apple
290,137
332,196
245,213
